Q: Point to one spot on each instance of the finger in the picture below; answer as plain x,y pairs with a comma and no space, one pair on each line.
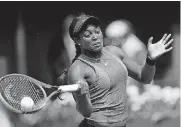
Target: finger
169,49
166,39
164,36
86,88
167,44
150,40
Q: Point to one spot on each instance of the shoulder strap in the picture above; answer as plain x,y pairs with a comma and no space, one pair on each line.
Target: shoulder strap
81,58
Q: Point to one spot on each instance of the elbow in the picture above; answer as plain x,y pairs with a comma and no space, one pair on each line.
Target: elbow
146,78
146,81
86,112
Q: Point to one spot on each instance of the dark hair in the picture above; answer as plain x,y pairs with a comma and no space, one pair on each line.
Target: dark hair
63,78
78,24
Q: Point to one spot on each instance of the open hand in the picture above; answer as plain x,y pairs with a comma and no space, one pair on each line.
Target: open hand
159,48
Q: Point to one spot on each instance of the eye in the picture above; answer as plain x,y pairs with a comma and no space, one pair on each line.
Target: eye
97,30
86,34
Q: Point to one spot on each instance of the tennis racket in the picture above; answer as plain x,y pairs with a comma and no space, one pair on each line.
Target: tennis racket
15,87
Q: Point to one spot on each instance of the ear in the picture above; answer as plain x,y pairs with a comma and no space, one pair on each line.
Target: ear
76,41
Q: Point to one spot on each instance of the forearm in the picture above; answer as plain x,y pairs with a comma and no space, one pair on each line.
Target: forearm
148,71
83,104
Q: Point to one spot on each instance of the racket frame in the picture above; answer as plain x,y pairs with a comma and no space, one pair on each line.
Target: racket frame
41,85
37,83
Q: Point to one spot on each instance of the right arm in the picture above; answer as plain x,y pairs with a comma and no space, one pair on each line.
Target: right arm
82,98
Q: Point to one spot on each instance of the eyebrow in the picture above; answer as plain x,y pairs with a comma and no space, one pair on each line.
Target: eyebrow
87,31
96,27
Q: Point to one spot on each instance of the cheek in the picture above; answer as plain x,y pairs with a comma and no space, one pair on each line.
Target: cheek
101,37
86,44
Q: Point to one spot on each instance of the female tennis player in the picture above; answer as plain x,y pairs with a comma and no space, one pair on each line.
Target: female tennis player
103,72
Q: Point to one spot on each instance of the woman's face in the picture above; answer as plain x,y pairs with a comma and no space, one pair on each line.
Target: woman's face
91,38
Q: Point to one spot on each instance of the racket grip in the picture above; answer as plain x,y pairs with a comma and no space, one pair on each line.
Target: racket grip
69,88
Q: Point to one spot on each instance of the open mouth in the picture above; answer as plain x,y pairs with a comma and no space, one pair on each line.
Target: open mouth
97,44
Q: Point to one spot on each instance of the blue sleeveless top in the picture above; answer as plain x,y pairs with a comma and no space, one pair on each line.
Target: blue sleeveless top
108,92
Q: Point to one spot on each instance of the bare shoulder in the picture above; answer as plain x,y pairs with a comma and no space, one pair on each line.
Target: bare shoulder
116,51
76,65
75,68
77,72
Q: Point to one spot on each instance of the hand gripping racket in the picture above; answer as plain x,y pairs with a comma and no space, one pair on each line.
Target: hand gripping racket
14,87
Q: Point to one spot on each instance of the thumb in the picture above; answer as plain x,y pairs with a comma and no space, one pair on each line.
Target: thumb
150,41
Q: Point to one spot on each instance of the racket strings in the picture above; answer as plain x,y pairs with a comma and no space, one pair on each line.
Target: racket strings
37,95
6,92
14,88
11,91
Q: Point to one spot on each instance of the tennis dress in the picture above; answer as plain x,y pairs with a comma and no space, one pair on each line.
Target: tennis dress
108,92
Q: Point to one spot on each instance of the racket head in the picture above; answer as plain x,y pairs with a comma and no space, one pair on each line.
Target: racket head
14,87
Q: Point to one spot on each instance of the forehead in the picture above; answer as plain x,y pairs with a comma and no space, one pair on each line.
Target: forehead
89,27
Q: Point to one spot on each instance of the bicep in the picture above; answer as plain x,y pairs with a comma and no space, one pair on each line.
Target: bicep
75,74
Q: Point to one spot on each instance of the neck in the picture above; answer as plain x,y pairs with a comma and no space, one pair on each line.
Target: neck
91,54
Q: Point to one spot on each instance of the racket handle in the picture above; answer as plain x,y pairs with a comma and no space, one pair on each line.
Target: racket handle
69,88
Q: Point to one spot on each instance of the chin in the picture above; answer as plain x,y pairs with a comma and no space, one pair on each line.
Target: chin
98,49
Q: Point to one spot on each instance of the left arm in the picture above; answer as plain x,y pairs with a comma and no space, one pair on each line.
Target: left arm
140,73
144,73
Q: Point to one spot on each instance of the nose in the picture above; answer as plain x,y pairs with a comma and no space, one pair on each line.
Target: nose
95,36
